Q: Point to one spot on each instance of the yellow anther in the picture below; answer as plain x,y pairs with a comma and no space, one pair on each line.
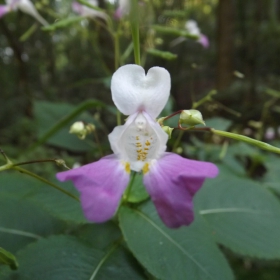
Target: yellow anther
126,167
147,143
139,151
145,168
137,137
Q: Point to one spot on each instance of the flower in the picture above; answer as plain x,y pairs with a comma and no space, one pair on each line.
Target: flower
140,145
86,11
25,6
193,29
123,9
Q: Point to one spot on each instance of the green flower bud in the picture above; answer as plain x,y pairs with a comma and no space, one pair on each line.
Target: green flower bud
168,130
79,129
191,117
90,127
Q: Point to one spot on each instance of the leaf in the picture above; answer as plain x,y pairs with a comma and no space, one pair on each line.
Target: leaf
272,176
55,202
23,221
243,215
48,114
62,23
138,191
8,258
185,253
162,54
218,123
100,236
66,257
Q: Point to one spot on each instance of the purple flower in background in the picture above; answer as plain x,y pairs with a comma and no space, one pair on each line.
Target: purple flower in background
123,9
193,29
4,9
86,11
140,145
25,6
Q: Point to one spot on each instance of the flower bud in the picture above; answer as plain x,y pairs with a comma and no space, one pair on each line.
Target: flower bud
79,129
90,127
61,162
168,130
191,117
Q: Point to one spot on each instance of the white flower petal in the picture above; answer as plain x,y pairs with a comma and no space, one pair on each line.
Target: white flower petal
139,141
133,90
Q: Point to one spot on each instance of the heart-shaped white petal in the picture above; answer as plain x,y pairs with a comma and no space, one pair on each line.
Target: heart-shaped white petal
134,91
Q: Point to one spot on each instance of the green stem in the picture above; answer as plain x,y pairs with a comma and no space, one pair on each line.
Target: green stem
98,142
178,140
22,170
127,192
208,97
134,21
248,140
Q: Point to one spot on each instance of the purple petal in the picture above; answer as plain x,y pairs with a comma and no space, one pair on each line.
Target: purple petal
203,40
172,182
118,14
4,9
77,7
101,185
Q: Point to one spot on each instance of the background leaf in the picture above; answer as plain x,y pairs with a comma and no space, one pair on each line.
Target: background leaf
185,253
55,202
66,257
242,214
8,259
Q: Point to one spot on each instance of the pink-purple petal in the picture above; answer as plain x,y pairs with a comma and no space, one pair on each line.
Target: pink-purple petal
101,185
172,181
204,41
4,9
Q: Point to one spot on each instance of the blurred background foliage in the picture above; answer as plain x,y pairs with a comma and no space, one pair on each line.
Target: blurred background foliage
45,74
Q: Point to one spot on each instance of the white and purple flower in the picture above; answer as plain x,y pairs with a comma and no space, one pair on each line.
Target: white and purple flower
140,145
86,11
25,6
193,29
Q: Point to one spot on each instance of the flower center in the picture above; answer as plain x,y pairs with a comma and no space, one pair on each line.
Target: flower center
140,142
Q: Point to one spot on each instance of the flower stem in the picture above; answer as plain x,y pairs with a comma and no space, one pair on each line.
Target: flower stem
246,139
127,192
206,98
134,21
22,170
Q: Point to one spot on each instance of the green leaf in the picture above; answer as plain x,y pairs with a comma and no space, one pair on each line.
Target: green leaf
54,120
271,178
23,221
162,54
138,191
185,253
273,92
66,257
218,123
100,236
62,23
243,215
55,202
8,259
